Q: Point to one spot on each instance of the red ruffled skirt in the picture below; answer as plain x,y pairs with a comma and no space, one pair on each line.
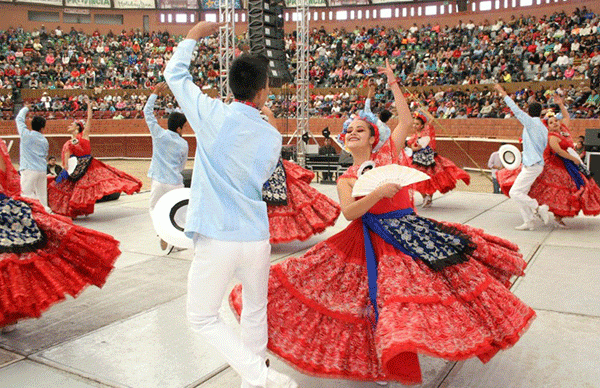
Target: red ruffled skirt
444,175
320,320
506,179
73,199
307,213
555,187
72,258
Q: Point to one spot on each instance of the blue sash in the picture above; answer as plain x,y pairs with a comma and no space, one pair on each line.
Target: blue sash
573,170
370,221
435,244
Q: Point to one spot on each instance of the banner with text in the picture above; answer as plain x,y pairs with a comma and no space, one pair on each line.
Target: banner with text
390,1
311,3
88,3
178,4
142,4
45,2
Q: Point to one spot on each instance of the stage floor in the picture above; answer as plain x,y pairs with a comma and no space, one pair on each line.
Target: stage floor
133,332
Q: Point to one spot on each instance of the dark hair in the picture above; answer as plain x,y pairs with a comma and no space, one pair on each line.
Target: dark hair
385,115
248,75
80,126
421,120
535,109
38,123
176,120
371,128
51,157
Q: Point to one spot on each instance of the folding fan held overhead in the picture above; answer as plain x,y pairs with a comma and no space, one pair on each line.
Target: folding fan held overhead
391,173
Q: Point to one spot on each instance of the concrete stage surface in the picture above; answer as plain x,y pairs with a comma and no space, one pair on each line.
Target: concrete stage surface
133,332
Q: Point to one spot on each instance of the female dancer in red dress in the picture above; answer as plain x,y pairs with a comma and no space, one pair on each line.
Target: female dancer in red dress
561,185
43,256
362,304
75,194
444,174
296,210
307,212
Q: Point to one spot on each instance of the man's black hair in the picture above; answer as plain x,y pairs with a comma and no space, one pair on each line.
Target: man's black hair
385,115
176,120
38,123
248,75
535,109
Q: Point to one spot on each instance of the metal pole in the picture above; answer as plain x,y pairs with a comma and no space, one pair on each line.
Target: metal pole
226,44
302,79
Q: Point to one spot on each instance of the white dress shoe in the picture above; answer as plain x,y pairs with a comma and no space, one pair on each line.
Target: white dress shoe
543,212
279,380
525,226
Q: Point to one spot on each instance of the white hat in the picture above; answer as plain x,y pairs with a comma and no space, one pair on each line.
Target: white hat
168,217
510,156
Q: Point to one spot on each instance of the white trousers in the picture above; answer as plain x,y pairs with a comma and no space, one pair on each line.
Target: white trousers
520,191
158,189
34,184
215,264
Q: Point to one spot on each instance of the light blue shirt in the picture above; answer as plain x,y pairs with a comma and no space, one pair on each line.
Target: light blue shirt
169,150
34,146
535,135
236,152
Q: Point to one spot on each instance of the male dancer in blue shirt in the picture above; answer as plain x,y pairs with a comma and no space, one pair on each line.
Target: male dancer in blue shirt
169,151
33,155
535,139
236,152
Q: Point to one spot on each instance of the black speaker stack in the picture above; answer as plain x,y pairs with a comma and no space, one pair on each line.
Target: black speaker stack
592,148
592,140
265,33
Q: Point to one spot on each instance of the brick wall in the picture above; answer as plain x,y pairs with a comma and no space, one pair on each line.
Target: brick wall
131,139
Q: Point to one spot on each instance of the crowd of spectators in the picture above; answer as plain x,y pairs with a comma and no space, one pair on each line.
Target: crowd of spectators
128,105
555,47
524,49
448,103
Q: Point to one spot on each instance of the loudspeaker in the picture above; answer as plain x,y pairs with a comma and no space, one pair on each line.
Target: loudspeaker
594,164
462,5
592,140
265,33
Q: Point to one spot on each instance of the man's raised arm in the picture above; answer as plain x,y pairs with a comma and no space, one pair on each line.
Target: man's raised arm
194,104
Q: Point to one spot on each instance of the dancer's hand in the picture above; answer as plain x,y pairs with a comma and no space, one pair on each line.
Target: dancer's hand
388,190
161,89
372,87
500,90
203,29
388,71
558,99
267,111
